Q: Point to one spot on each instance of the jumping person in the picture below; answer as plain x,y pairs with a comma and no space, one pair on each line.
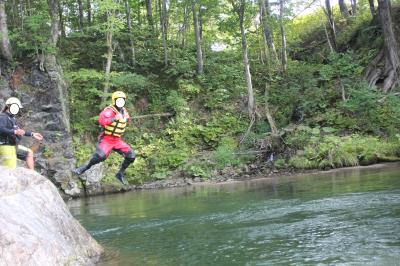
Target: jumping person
113,120
11,134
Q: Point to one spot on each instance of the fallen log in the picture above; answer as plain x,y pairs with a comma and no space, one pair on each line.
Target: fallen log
152,115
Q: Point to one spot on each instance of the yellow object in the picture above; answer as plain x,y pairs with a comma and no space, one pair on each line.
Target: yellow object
8,156
116,128
116,95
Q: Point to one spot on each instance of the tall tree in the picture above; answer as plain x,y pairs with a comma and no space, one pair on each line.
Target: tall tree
201,11
80,11
372,7
265,16
5,41
61,17
129,23
354,7
164,29
89,12
55,23
331,25
239,8
183,28
110,52
150,19
113,25
283,35
343,9
268,114
385,68
14,12
199,51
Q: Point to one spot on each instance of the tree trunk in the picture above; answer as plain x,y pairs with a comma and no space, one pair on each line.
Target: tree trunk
61,17
354,7
384,70
328,38
55,22
372,7
80,10
283,34
268,114
129,23
184,26
150,20
391,45
267,31
199,51
109,56
262,43
250,94
201,22
15,13
331,23
89,12
5,42
139,15
343,9
164,28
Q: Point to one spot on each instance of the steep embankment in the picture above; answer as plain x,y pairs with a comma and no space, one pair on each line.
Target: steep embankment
36,227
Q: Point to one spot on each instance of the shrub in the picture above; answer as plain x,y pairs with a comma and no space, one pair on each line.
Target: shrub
301,162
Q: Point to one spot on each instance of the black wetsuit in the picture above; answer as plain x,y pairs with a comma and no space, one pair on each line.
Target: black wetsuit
8,125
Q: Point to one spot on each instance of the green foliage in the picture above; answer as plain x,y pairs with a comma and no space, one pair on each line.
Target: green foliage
301,162
130,82
33,40
224,154
85,95
176,102
280,164
371,114
332,152
341,65
188,87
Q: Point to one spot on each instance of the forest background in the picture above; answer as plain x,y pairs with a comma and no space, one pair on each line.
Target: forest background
222,84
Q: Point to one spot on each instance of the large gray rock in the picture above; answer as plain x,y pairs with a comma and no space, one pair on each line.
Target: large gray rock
36,227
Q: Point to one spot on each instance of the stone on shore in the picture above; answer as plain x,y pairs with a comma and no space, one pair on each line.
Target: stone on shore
36,227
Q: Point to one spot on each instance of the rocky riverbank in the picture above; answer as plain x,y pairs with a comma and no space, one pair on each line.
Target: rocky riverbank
93,186
36,227
229,174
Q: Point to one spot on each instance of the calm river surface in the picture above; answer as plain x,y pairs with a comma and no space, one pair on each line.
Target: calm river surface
347,217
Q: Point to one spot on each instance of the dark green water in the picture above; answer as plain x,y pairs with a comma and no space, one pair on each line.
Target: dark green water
349,217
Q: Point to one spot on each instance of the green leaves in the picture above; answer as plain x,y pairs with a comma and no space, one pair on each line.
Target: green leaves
341,65
332,152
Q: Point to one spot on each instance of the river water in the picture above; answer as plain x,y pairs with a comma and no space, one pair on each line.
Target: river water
344,217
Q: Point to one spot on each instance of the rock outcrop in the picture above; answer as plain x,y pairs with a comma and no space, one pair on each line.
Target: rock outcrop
36,227
43,94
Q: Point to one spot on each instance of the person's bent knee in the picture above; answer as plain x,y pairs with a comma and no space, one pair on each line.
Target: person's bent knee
130,155
99,156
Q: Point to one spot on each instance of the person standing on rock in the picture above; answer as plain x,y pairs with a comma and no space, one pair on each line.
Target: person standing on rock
113,119
11,134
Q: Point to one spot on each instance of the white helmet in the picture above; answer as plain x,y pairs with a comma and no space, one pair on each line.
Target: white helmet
13,100
14,105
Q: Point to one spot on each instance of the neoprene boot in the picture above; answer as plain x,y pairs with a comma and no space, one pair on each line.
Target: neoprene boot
121,177
80,170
